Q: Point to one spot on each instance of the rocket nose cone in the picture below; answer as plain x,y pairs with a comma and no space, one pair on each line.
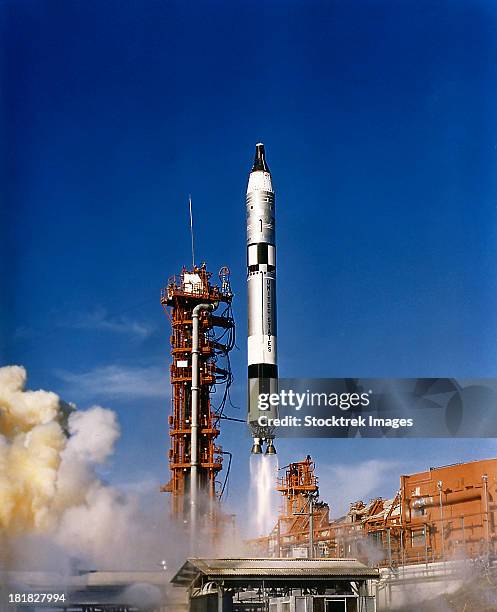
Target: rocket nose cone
260,158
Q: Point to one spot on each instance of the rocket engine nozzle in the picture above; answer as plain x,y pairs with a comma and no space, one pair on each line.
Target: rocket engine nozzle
256,447
258,444
270,450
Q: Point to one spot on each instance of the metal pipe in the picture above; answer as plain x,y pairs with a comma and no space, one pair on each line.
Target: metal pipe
220,593
454,497
463,535
425,529
389,540
487,521
194,419
311,527
402,552
442,534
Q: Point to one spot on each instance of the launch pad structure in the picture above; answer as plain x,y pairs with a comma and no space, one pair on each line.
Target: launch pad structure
445,513
202,335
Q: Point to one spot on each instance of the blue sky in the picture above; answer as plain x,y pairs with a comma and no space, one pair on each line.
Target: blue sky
381,133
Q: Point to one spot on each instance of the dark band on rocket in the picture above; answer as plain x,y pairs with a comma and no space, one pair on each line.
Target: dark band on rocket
263,370
261,257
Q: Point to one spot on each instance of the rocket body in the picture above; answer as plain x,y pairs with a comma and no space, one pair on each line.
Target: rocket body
261,282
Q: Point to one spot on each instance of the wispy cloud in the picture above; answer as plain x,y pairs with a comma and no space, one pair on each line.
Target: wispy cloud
114,381
100,320
344,483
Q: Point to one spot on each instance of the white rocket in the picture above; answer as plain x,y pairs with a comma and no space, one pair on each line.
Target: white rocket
261,281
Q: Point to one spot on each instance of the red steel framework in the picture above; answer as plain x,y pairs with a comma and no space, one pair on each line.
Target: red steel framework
178,299
296,486
442,514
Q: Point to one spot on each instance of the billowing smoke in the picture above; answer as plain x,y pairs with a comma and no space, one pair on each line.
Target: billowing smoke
54,508
32,441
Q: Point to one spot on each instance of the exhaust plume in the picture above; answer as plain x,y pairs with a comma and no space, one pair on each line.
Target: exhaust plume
263,475
52,500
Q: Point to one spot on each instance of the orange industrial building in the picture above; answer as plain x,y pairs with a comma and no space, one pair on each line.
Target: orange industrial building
442,514
193,452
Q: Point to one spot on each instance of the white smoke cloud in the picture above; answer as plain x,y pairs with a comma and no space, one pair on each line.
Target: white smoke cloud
53,506
24,409
93,435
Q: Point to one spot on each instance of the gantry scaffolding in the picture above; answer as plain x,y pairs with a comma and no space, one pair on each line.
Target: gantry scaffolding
297,486
301,511
216,339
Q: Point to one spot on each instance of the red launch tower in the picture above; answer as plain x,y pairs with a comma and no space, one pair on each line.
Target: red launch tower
215,339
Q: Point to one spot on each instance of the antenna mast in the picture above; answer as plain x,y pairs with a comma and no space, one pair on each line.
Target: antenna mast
191,230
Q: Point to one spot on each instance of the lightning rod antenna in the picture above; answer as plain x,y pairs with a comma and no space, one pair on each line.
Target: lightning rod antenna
191,229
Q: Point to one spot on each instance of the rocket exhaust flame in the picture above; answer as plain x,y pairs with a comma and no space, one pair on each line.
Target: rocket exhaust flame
263,475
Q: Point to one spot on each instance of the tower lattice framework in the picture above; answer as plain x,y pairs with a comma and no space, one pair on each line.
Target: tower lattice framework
216,339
